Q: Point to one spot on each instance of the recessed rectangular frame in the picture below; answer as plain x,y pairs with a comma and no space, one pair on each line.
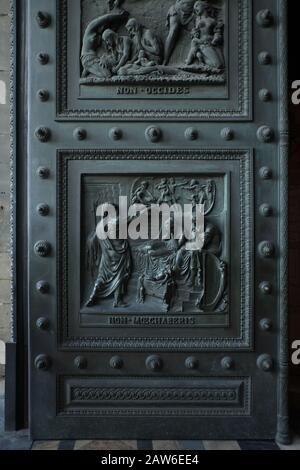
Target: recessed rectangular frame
237,105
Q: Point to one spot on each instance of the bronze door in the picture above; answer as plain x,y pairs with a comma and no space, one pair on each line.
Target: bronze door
170,102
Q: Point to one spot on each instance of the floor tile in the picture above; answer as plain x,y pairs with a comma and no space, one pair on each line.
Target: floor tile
144,445
191,445
45,445
166,445
105,445
258,445
66,445
221,445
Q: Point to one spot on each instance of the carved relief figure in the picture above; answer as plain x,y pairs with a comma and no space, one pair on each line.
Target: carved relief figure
92,40
145,40
207,38
179,275
114,268
179,16
117,47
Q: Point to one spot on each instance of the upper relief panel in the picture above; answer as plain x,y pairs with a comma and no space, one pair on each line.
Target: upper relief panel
144,59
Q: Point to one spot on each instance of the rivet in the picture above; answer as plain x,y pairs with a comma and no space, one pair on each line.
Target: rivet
153,134
42,362
43,58
43,95
265,95
43,287
191,363
264,18
43,134
265,324
227,133
266,249
116,362
80,362
43,323
43,172
43,210
42,248
265,134
266,210
266,173
43,19
264,58
154,363
265,363
79,133
115,133
191,133
265,288
227,363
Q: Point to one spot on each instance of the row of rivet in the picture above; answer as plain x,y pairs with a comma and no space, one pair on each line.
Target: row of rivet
265,19
265,134
152,363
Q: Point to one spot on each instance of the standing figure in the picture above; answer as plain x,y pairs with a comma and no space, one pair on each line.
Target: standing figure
180,15
142,195
114,268
207,38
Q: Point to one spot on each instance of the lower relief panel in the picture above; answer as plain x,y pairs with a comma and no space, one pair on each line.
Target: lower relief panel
155,292
132,396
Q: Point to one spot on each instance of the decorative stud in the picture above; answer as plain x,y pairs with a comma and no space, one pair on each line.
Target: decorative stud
265,363
227,133
43,134
227,363
154,363
116,362
43,95
43,324
264,58
153,134
264,18
43,172
42,248
79,133
80,362
265,134
192,363
266,173
43,210
43,58
43,19
115,133
191,133
266,210
265,288
42,362
266,249
265,324
265,95
43,287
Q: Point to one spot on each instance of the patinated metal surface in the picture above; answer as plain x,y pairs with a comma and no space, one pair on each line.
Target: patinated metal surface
170,102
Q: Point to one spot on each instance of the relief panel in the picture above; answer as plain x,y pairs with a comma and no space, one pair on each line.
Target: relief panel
127,289
131,59
141,396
